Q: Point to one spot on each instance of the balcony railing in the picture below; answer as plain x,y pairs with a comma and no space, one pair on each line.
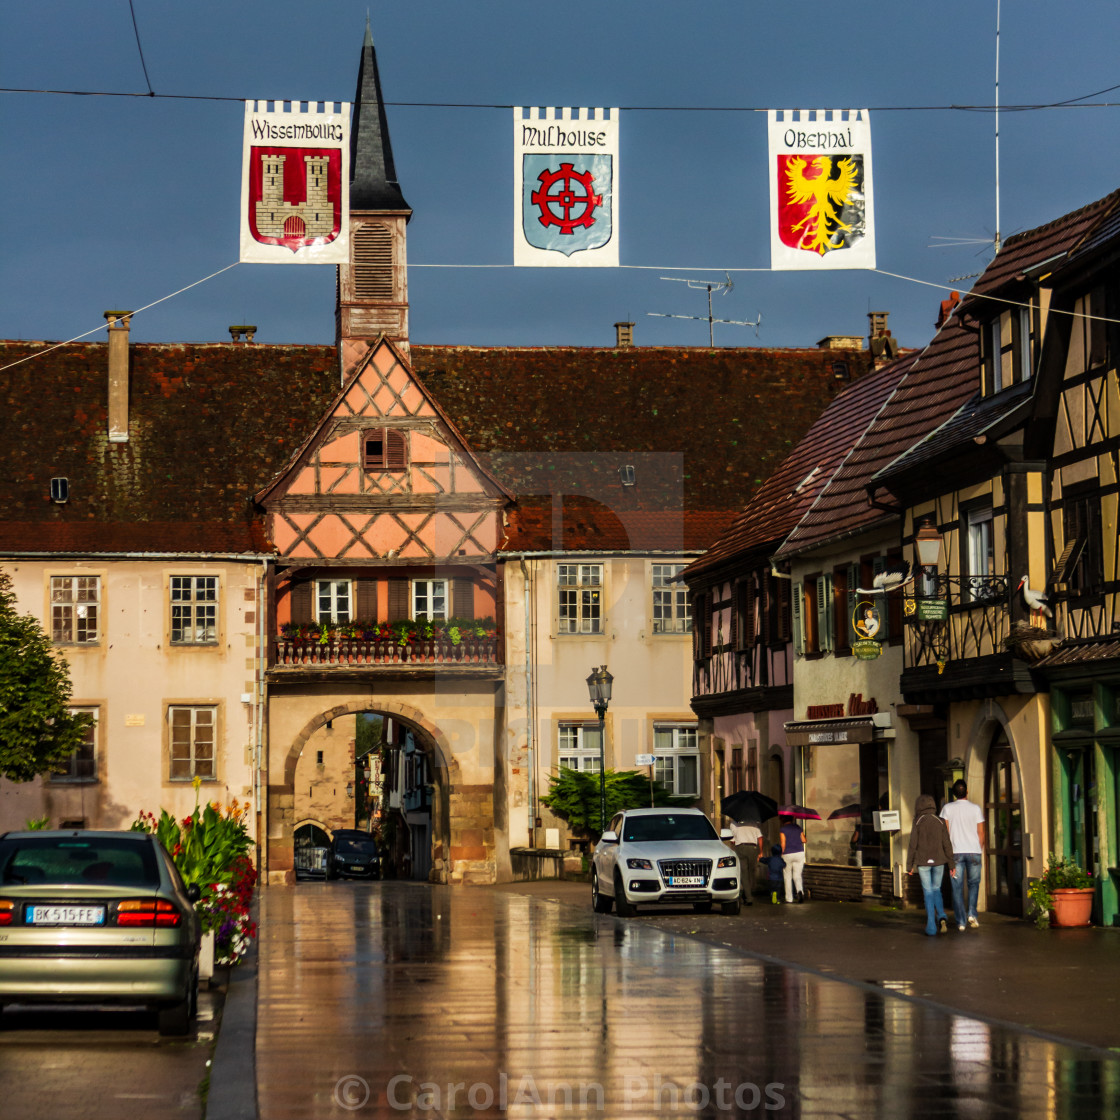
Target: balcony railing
978,619
294,652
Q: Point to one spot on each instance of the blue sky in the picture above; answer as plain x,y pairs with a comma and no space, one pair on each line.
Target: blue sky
115,202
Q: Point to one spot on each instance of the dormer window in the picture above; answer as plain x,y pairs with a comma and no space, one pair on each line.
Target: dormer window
384,449
1009,349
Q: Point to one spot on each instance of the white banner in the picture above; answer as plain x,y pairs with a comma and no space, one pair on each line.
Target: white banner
821,212
295,184
565,199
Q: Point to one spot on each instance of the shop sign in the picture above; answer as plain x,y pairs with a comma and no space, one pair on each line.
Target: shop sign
932,610
867,623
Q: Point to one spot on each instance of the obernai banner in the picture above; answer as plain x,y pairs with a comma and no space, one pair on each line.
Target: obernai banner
565,202
821,212
295,184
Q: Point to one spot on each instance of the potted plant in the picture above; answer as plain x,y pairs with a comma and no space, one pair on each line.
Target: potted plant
1063,896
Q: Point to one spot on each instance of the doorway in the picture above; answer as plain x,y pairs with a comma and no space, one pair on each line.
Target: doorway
1003,814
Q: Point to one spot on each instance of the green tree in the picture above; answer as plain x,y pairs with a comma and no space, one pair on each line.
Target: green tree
37,731
574,795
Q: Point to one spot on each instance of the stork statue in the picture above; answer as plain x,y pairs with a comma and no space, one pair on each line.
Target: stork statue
892,577
1035,600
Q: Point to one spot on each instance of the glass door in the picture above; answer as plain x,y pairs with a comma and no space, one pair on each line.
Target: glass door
1004,818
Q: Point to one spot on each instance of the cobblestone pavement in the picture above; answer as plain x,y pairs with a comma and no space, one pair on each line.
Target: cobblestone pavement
403,999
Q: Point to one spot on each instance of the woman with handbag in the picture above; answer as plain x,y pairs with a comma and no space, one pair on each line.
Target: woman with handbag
930,850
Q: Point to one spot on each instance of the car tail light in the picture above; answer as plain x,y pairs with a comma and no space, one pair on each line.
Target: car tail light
148,912
7,911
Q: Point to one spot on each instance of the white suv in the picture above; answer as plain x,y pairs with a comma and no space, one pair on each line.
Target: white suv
668,856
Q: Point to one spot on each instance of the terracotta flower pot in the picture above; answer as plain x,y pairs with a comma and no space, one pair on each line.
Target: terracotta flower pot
1072,907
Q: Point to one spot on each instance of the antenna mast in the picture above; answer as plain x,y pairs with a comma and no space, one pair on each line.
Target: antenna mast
725,286
997,126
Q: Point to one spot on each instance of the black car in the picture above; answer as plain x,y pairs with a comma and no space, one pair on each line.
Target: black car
353,854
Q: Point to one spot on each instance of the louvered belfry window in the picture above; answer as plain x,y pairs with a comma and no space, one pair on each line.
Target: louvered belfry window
373,262
384,449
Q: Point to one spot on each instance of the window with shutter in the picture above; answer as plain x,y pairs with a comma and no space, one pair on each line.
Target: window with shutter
783,596
365,600
400,599
733,637
825,620
462,597
299,601
373,262
798,629
384,449
749,612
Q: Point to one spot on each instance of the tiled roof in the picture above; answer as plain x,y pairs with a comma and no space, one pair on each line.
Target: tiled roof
212,424
786,495
972,421
209,424
936,384
701,427
1081,653
1026,250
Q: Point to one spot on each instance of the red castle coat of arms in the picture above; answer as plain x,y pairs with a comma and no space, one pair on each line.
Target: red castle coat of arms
295,196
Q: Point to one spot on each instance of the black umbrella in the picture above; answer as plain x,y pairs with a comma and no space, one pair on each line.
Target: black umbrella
846,812
748,806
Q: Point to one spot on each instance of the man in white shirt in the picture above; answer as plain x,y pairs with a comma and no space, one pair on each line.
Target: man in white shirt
747,841
965,821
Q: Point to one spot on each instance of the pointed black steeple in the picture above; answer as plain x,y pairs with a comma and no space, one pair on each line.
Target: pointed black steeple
373,178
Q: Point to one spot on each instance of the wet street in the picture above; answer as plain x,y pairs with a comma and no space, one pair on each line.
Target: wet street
398,999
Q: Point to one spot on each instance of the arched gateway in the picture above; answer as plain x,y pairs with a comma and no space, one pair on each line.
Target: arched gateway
462,823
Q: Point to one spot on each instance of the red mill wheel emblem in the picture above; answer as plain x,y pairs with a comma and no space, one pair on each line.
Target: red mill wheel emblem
556,205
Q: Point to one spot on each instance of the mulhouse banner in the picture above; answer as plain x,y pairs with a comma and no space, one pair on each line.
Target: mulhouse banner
295,184
565,168
821,213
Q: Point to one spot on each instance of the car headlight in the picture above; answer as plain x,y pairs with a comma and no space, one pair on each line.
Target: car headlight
727,861
639,864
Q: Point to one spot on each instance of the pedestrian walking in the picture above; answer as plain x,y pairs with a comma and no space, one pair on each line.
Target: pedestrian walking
793,851
777,871
966,831
747,841
930,851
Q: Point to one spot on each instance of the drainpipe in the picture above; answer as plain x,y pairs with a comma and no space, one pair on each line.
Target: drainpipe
529,709
259,720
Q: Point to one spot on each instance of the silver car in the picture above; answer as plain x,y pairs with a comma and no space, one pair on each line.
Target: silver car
97,917
669,856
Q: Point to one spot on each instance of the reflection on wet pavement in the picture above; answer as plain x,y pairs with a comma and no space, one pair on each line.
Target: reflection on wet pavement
398,999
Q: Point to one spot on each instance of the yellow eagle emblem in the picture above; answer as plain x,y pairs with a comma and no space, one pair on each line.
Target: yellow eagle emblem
824,195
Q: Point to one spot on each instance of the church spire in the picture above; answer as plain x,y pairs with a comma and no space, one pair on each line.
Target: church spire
373,176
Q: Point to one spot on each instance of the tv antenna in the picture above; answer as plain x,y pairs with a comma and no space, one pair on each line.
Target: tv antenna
723,287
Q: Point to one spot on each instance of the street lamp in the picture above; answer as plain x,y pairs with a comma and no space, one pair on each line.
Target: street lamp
599,689
927,540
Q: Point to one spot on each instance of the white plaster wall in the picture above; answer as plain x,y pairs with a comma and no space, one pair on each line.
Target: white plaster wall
132,674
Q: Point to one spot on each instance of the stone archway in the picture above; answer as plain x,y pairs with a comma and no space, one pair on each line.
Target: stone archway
462,816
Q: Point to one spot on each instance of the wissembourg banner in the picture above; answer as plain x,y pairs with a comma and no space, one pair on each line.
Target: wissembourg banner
295,184
565,199
821,212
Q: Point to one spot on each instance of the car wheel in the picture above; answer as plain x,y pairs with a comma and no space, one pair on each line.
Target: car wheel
731,908
600,903
624,908
702,907
175,1019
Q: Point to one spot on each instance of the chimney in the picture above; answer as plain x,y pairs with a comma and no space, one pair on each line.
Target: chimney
623,335
118,375
883,347
947,308
236,330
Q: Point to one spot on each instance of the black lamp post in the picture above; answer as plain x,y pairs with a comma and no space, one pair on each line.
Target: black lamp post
599,688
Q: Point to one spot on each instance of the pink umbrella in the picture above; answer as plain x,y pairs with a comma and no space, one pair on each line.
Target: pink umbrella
799,812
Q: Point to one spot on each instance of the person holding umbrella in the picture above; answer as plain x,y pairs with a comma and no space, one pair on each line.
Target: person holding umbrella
792,840
747,810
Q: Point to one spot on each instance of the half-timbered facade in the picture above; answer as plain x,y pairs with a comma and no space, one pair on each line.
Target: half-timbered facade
1019,487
